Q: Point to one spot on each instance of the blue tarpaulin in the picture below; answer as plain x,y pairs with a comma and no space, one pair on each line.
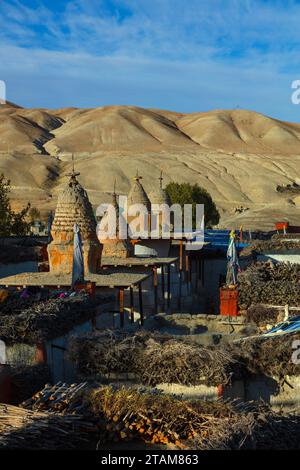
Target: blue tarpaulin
219,239
289,326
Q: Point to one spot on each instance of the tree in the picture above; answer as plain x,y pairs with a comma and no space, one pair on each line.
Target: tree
11,223
34,214
185,193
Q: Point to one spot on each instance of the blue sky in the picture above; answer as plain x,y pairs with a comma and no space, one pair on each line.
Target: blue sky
187,56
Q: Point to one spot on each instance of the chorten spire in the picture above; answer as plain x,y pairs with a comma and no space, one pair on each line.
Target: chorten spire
73,173
137,176
161,179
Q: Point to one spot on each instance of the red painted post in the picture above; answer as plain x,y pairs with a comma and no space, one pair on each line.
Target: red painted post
41,354
228,302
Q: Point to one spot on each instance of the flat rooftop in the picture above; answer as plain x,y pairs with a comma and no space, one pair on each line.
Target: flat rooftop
137,261
108,279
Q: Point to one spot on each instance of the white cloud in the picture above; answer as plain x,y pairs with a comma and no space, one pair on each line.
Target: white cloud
174,54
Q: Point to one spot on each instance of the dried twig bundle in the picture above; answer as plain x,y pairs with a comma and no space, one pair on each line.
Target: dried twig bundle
153,358
269,283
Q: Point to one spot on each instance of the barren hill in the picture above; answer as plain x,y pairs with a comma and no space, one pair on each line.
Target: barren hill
250,163
116,128
241,131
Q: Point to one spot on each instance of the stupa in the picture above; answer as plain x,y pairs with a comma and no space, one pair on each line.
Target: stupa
73,206
116,247
137,196
159,196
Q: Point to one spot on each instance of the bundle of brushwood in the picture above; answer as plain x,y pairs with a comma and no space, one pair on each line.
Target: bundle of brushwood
61,397
268,355
287,236
114,414
269,271
15,304
275,245
191,424
26,429
43,320
153,358
269,283
262,315
169,360
254,430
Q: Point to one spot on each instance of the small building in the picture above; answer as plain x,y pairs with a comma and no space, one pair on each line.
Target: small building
38,228
115,246
137,200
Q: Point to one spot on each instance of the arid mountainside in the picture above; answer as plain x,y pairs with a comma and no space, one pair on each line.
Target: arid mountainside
250,163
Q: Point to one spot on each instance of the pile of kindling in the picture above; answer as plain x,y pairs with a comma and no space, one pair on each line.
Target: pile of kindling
268,355
42,320
192,424
275,245
60,397
120,414
32,430
261,315
156,359
253,430
269,283
153,358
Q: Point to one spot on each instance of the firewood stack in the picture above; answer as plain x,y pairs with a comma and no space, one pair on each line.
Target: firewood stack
168,359
60,398
269,283
110,414
31,321
156,419
275,245
25,429
190,425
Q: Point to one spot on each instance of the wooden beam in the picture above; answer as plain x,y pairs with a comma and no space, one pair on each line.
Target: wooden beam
180,255
180,289
187,267
163,286
141,304
131,306
154,269
169,287
121,298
